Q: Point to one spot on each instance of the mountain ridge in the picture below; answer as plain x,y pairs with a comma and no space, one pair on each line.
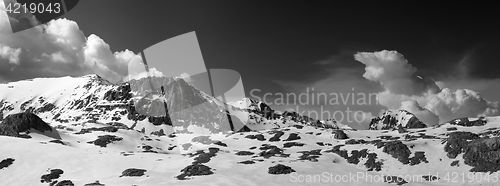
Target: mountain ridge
93,98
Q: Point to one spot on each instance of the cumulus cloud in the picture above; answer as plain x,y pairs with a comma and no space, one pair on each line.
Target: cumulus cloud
11,54
56,57
58,48
153,72
450,104
186,77
422,96
423,114
137,69
393,71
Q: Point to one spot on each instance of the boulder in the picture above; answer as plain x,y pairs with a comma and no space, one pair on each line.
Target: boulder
339,134
133,172
280,169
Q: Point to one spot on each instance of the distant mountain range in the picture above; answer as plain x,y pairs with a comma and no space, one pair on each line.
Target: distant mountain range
93,99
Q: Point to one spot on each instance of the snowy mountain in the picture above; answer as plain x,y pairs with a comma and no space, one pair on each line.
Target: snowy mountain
137,105
87,131
93,99
245,103
394,119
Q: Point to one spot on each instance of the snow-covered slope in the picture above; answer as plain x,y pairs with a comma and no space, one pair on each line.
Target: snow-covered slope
59,99
244,103
297,155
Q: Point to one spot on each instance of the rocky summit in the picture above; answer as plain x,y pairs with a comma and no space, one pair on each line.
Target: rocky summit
395,120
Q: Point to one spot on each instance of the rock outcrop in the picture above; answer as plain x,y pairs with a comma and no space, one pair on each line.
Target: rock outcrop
394,119
13,124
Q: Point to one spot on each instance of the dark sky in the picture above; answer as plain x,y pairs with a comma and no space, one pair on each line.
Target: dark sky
279,40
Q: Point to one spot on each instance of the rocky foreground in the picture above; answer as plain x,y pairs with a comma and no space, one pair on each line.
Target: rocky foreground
97,154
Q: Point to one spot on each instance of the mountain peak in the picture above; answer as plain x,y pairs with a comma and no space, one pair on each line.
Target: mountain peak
95,78
393,119
243,103
92,76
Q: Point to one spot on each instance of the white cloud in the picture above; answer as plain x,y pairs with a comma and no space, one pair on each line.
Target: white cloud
423,114
404,89
393,71
489,88
98,55
11,54
152,73
56,57
460,103
186,77
155,73
58,49
137,69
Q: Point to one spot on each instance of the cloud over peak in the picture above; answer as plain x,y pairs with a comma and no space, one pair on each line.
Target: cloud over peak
58,48
403,89
394,73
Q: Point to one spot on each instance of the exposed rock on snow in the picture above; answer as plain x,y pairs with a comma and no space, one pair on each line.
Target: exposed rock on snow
398,150
133,172
467,123
6,163
104,140
483,155
280,169
194,170
394,119
53,175
13,124
64,183
339,134
457,142
96,183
